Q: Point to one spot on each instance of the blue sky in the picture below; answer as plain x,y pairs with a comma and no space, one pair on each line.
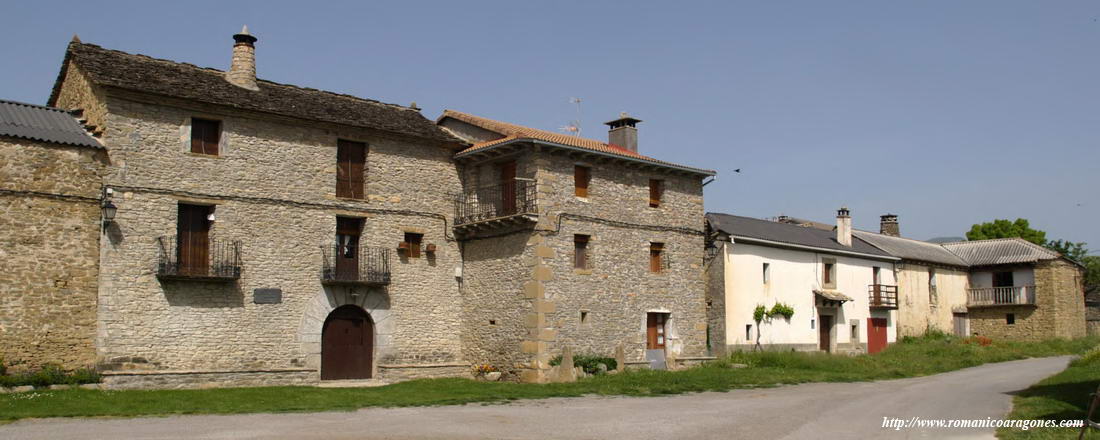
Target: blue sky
946,113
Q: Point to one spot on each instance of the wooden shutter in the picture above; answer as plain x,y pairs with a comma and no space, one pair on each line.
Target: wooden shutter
350,160
656,262
192,239
656,189
205,135
580,251
508,188
414,241
580,180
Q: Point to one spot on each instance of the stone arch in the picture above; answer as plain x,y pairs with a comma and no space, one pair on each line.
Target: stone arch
372,300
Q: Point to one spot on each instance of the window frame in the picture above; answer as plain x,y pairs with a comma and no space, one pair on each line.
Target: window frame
582,179
656,257
656,192
828,273
412,247
581,260
200,133
351,169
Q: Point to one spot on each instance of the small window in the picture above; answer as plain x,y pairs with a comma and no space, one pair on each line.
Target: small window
584,317
656,257
767,273
748,332
580,251
1010,319
932,286
581,177
205,135
492,322
412,243
855,333
656,190
828,275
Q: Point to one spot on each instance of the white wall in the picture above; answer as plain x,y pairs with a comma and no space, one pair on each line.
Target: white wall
794,276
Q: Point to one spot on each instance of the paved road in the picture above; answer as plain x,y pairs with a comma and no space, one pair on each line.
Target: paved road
834,410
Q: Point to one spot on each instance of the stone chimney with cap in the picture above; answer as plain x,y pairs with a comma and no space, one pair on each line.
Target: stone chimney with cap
844,227
242,71
888,225
623,132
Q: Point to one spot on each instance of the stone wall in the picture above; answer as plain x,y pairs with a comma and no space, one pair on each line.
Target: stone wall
918,309
50,215
715,272
1059,311
1064,281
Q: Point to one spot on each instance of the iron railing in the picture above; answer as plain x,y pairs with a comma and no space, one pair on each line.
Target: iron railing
497,201
342,264
213,260
882,296
1001,296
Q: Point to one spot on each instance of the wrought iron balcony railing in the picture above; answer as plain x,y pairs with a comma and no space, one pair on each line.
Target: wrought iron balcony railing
210,260
882,296
343,264
1001,296
495,202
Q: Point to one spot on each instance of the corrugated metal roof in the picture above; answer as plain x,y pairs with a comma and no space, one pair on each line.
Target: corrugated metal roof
1000,251
47,124
749,227
910,249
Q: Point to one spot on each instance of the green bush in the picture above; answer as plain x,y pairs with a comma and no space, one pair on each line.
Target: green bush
589,363
50,375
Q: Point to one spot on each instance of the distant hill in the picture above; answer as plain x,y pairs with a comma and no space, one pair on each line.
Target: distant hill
945,239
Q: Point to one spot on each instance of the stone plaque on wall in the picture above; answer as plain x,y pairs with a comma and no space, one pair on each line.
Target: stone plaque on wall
267,296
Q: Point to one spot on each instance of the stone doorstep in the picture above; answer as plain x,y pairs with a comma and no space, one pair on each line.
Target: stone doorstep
352,383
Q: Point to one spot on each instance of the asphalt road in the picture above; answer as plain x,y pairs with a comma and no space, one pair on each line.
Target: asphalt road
822,410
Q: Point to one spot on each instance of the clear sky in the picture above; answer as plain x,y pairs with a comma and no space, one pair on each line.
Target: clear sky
946,113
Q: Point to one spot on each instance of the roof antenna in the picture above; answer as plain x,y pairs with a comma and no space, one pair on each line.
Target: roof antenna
574,126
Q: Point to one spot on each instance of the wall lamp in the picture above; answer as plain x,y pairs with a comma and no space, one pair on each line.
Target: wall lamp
109,209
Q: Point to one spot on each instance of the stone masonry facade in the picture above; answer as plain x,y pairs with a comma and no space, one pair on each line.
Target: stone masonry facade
1058,312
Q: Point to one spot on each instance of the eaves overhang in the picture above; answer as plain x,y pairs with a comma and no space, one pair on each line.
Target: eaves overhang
681,168
759,241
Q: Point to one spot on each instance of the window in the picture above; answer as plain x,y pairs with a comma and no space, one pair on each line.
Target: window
855,332
656,190
1010,319
828,274
656,254
584,317
767,273
1002,279
580,252
412,244
932,286
876,275
205,134
748,332
581,176
350,159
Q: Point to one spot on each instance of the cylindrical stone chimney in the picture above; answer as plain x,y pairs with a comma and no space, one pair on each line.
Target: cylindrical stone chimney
242,71
844,227
888,225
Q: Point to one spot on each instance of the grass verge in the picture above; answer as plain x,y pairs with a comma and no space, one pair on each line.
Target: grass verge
915,357
1064,396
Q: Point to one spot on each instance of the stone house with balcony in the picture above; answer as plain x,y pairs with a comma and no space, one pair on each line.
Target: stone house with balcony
843,290
264,233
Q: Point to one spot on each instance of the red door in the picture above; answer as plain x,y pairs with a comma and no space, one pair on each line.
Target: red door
876,334
347,344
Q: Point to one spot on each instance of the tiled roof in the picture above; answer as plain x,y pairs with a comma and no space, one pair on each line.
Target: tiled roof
910,249
748,227
140,73
1000,251
40,123
514,132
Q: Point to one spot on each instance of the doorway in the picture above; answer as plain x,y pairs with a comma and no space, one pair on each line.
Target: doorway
347,344
656,339
825,329
876,334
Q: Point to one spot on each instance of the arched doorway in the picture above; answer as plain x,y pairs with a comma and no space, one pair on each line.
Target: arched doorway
347,344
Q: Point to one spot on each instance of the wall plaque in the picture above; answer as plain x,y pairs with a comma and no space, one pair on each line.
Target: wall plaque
267,296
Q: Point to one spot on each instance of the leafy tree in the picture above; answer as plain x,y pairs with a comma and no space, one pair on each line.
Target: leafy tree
1092,272
1007,229
1074,251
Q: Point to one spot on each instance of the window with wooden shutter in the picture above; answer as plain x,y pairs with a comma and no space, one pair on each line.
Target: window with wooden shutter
205,135
580,252
656,257
656,190
581,176
412,244
350,160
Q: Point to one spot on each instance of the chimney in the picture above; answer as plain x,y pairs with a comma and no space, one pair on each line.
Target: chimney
888,225
844,227
242,71
623,132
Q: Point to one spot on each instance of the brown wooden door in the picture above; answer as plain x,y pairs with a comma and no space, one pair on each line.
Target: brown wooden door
876,334
347,248
508,188
193,239
350,160
655,331
825,341
347,344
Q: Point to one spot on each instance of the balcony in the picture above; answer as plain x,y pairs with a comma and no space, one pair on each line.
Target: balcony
1001,296
355,265
882,296
499,205
212,260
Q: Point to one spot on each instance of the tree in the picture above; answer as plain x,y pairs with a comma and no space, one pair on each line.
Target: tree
1092,272
1074,251
1007,229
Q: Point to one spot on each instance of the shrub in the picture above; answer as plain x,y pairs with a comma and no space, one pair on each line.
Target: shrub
781,309
589,363
50,375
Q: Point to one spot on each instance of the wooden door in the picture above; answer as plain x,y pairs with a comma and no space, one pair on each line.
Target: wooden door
508,188
193,239
347,344
960,324
347,248
655,331
825,341
350,160
876,334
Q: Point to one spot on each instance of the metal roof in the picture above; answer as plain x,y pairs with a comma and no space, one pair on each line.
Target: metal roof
1000,251
910,249
47,124
785,233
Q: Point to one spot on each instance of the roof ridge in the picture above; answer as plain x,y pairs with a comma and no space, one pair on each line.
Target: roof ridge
27,104
899,237
211,69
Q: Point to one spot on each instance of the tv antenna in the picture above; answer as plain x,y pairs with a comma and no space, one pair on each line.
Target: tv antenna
574,127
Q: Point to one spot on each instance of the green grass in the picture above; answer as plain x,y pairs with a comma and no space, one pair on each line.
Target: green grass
1064,396
922,356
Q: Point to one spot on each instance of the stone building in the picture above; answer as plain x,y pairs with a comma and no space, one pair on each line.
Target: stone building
49,246
272,234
